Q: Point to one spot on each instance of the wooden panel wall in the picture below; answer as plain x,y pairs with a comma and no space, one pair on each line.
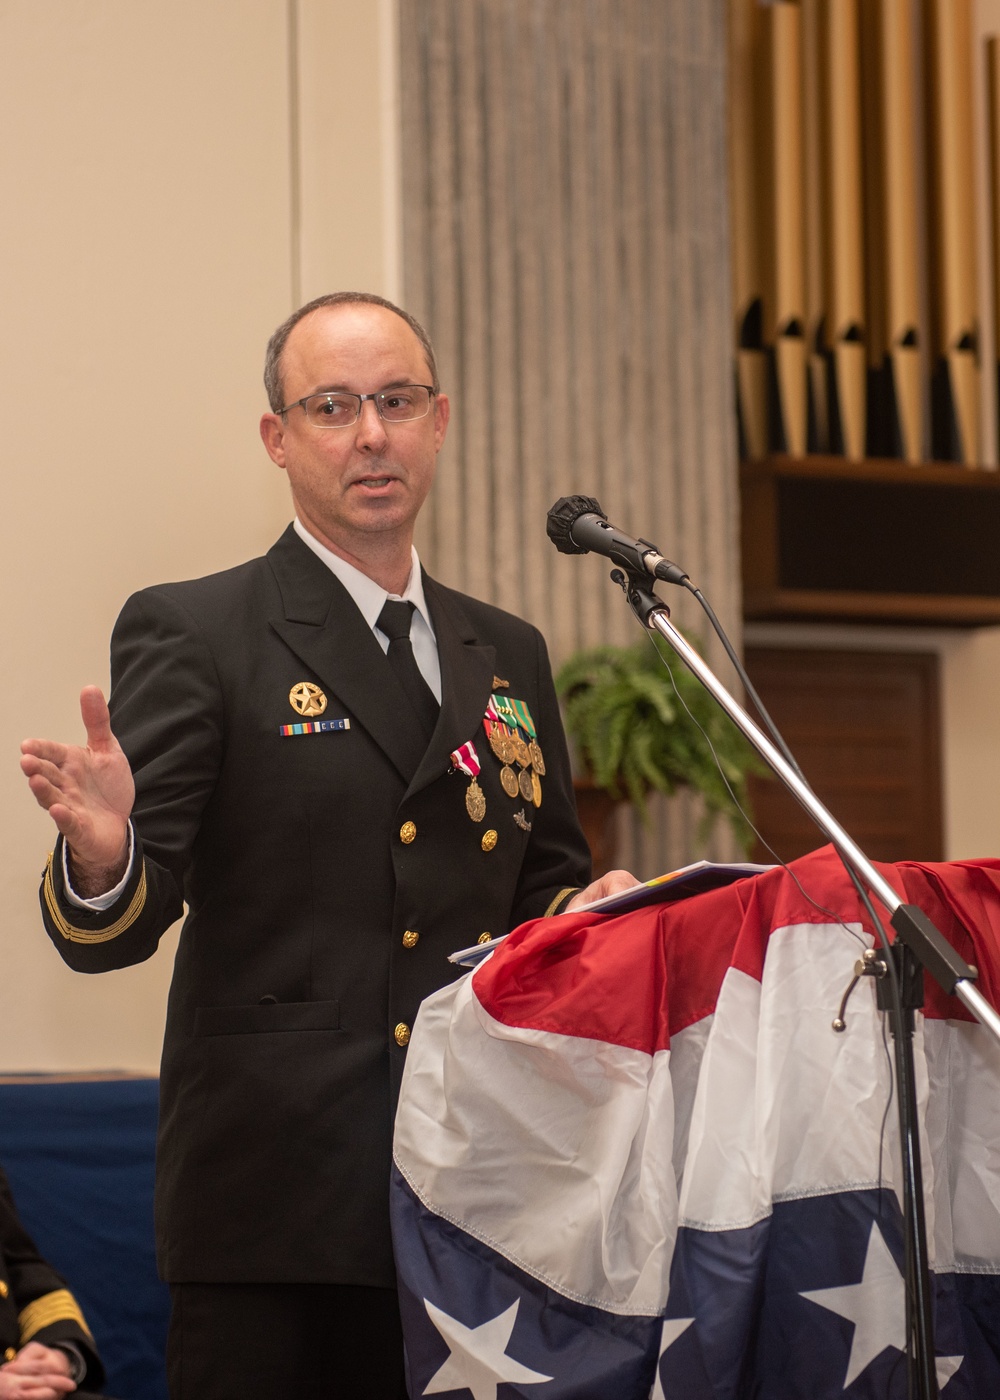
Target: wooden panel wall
865,726
566,242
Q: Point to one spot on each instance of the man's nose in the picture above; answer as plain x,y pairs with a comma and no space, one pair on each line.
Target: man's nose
370,431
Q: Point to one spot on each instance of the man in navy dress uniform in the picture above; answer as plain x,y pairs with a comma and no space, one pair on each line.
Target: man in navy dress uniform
345,770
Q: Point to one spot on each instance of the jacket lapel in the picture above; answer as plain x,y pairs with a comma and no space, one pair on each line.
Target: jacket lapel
467,670
322,625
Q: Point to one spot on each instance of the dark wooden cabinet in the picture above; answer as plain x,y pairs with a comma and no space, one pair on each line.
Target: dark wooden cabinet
875,541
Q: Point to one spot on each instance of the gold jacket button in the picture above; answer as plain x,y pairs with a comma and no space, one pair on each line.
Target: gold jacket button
408,832
485,938
9,1354
4,1290
411,938
489,840
402,1034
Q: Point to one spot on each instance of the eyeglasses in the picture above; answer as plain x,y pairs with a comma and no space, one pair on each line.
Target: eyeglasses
342,410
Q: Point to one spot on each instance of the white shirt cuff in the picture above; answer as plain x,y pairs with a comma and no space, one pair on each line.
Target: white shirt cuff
100,902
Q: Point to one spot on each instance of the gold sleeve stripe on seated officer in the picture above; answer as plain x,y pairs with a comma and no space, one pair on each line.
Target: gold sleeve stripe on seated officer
86,935
59,1306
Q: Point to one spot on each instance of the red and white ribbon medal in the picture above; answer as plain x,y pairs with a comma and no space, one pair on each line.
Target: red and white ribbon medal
466,760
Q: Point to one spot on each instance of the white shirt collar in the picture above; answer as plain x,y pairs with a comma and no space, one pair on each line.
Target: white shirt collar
367,594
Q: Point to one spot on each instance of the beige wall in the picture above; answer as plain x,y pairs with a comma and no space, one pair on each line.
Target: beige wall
168,196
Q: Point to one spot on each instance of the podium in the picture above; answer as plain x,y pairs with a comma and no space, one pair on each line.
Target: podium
633,1158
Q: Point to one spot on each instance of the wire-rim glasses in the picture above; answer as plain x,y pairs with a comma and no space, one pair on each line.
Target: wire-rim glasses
340,409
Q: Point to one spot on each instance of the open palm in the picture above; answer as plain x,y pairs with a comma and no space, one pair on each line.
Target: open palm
87,790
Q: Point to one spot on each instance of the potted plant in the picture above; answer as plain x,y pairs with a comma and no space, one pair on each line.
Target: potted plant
639,727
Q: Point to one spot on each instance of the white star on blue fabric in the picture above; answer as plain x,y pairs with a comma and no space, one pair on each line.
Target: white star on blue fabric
946,1366
673,1327
478,1360
876,1306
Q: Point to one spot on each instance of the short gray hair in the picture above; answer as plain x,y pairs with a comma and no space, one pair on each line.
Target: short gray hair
276,345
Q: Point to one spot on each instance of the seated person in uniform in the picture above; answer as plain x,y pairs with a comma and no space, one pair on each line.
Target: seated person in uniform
45,1343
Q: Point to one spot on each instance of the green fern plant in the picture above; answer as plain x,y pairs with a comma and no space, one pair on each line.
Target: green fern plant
635,725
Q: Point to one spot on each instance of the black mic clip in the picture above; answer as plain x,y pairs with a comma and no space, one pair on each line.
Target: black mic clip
638,589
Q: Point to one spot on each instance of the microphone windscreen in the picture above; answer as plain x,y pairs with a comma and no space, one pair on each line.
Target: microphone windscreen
564,515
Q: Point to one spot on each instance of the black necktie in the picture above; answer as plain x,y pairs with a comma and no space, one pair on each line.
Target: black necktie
394,620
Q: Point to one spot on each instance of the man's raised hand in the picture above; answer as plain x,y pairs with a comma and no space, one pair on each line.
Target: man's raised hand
88,792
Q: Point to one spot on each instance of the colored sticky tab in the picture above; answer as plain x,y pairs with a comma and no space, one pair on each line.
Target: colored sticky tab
317,726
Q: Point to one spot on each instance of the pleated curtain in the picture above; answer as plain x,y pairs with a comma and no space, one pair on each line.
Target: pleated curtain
565,231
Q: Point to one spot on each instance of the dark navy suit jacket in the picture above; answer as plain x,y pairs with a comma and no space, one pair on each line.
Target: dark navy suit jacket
281,1064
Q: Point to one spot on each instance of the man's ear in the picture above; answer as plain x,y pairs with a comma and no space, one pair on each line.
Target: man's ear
272,432
442,412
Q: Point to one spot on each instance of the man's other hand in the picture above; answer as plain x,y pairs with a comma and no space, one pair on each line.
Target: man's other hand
88,792
612,883
36,1373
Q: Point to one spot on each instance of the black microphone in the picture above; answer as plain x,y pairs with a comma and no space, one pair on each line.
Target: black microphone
578,525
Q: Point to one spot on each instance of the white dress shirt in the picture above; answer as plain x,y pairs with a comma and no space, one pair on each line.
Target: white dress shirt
370,598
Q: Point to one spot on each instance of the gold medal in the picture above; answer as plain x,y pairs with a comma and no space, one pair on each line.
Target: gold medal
508,778
537,761
475,802
307,699
521,752
524,783
501,743
465,760
536,789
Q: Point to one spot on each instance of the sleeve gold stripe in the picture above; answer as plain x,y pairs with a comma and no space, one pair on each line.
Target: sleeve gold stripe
559,900
59,1306
84,935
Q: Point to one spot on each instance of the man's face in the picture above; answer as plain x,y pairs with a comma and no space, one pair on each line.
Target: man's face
361,487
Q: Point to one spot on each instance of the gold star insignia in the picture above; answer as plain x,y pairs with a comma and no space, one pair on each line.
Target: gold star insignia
307,699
